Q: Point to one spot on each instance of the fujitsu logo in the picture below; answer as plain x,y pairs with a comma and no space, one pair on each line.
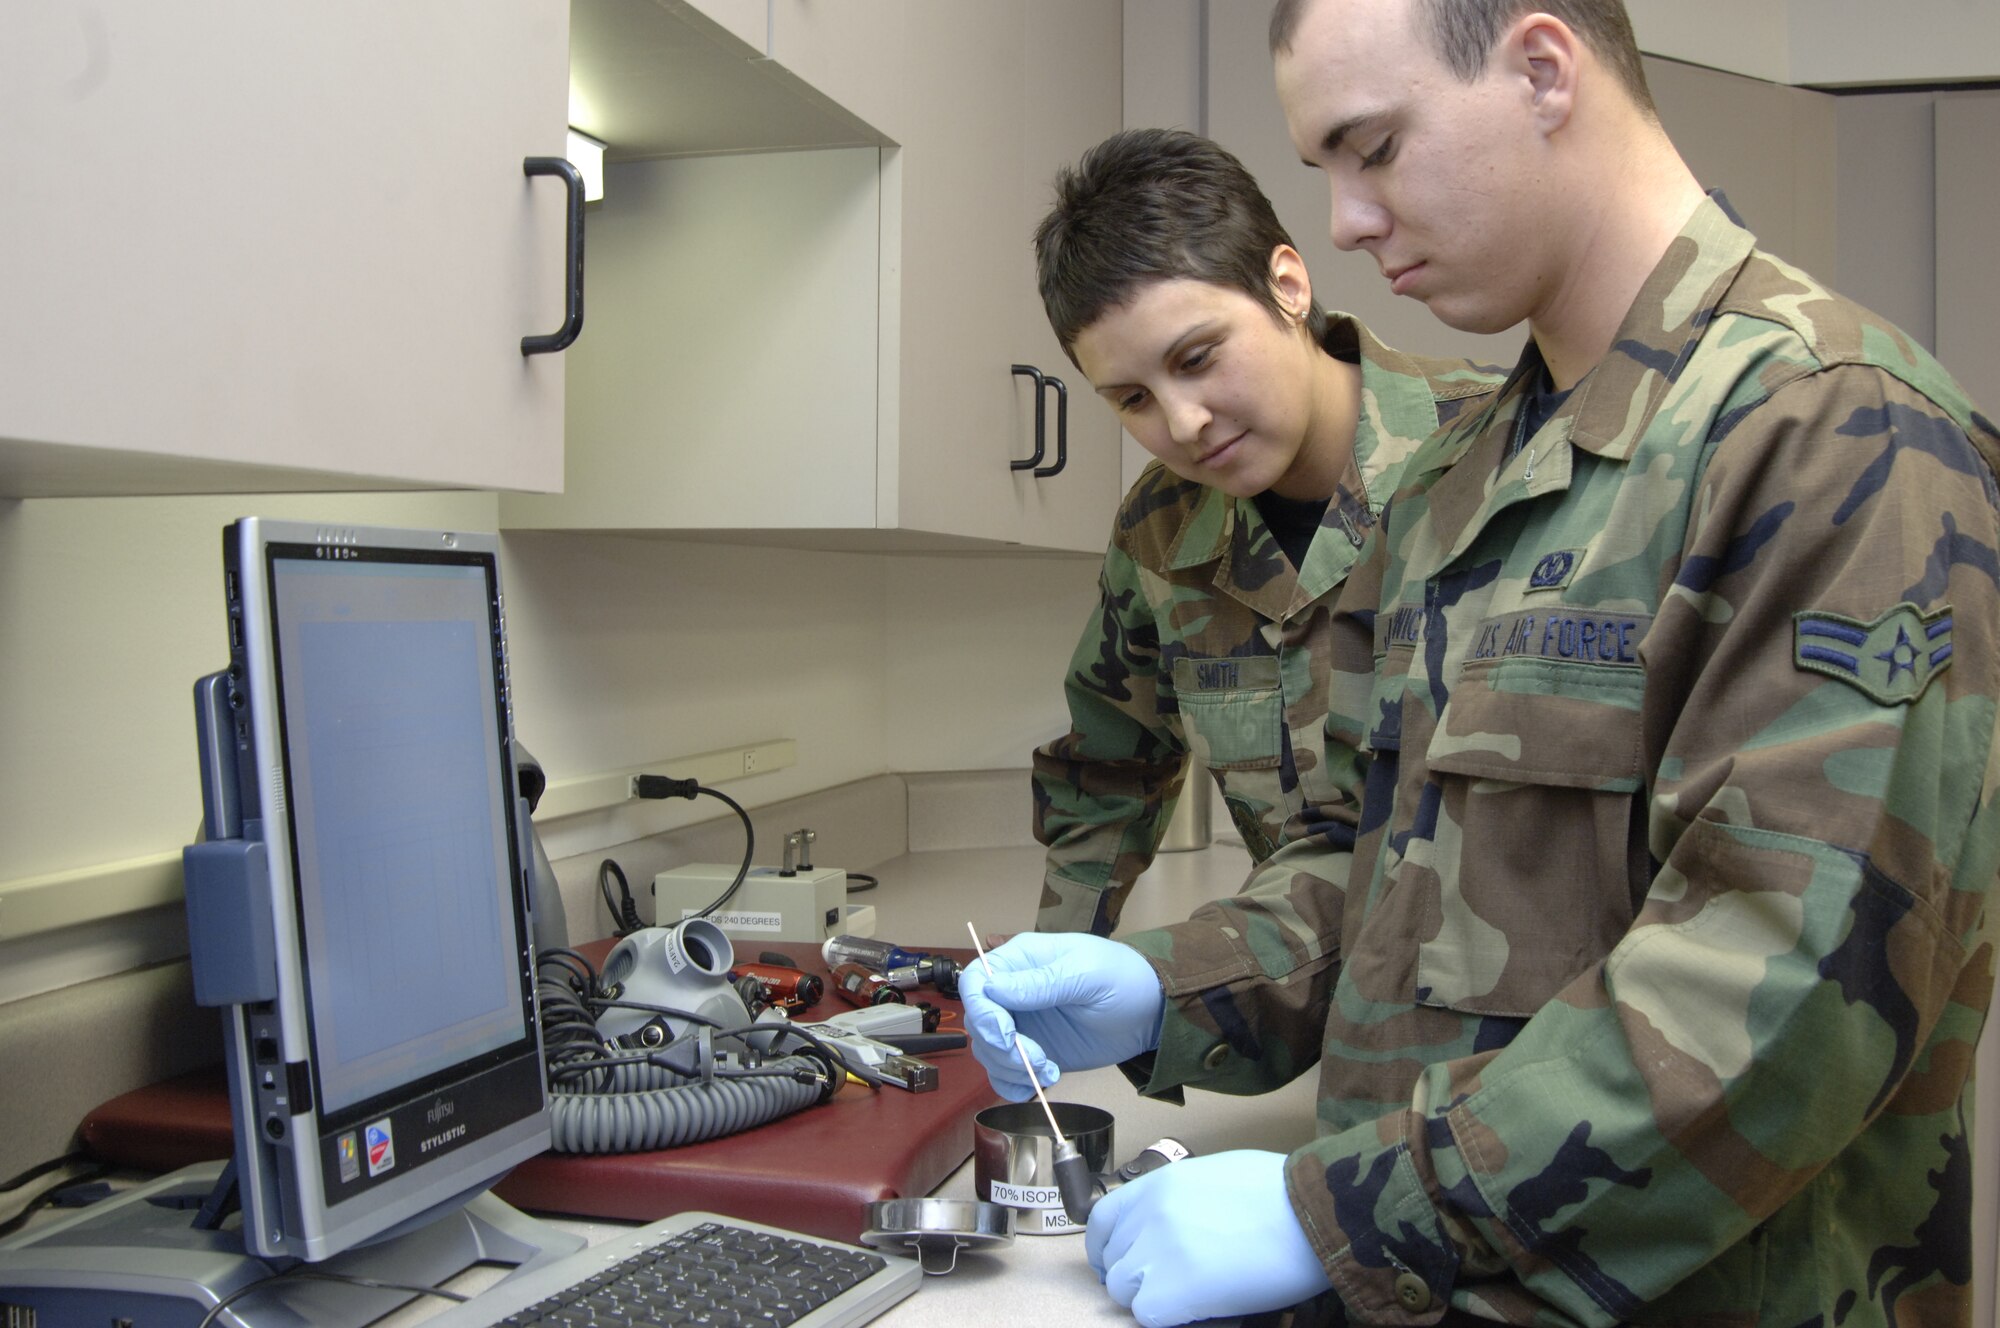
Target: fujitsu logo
439,1110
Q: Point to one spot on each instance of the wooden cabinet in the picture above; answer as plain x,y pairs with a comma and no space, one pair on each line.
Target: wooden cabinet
250,246
815,347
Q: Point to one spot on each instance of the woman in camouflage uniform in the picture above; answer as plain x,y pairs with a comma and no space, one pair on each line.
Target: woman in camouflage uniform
1279,431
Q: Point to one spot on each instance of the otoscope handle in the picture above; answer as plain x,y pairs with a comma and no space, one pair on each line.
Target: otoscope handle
1081,1188
1074,1182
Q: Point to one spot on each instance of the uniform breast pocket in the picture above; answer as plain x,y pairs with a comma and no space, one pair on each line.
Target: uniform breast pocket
1539,857
1233,711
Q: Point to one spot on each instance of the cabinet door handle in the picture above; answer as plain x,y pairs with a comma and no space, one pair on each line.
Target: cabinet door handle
1062,425
1041,426
545,343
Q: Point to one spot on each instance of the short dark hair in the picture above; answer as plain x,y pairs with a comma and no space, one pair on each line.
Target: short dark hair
1152,204
1462,33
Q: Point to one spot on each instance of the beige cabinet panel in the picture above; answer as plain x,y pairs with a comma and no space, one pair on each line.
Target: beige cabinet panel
1771,150
747,20
728,378
1968,344
254,246
820,394
974,184
1968,267
671,80
859,53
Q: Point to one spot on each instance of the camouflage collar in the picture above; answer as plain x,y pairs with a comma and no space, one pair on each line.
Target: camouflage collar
1611,406
1396,401
1231,532
1615,401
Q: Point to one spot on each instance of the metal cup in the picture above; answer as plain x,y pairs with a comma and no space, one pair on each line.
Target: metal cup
1013,1159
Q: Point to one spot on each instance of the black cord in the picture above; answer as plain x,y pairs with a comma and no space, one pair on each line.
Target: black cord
659,786
43,1169
867,882
749,848
624,912
318,1275
48,1196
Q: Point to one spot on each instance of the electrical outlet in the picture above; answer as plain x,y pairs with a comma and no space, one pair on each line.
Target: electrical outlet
749,760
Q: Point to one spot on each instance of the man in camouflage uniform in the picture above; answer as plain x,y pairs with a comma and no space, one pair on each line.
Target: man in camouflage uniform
1208,640
1646,969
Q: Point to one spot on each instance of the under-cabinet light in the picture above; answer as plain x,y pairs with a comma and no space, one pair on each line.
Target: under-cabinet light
587,155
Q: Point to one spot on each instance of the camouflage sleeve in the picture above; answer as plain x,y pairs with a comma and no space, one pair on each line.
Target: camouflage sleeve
1102,791
1247,978
1807,968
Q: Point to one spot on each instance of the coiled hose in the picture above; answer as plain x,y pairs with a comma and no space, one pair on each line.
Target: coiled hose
648,1106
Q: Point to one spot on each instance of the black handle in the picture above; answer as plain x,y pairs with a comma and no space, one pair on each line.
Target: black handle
1041,428
543,344
1062,425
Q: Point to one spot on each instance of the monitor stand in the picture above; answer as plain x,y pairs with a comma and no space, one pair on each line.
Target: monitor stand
141,1256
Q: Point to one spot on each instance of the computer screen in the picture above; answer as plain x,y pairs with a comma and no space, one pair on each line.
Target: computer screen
390,1067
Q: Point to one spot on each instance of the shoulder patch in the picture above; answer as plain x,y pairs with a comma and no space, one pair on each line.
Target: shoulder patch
1890,660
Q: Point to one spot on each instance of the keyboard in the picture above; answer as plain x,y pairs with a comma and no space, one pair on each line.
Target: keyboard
699,1270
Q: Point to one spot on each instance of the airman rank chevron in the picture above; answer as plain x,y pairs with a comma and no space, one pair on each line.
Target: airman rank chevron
1890,660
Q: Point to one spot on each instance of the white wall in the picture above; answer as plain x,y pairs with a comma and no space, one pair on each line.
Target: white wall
628,651
977,652
624,651
109,610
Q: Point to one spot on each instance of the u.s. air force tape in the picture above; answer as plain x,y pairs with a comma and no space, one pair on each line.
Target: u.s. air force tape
1573,635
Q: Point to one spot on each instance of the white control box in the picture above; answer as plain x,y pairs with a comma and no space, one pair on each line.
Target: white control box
809,905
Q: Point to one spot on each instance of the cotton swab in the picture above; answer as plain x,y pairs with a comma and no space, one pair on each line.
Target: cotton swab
1072,1177
1019,1050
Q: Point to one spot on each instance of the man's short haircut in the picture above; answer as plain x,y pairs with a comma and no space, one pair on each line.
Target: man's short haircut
1154,204
1463,33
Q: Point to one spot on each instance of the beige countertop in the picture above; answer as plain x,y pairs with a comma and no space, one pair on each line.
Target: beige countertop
925,899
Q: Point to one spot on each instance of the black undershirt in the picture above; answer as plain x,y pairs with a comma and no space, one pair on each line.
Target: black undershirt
1293,522
1543,402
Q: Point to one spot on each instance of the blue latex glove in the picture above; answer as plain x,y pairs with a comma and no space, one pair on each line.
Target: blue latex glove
1206,1238
1080,1001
